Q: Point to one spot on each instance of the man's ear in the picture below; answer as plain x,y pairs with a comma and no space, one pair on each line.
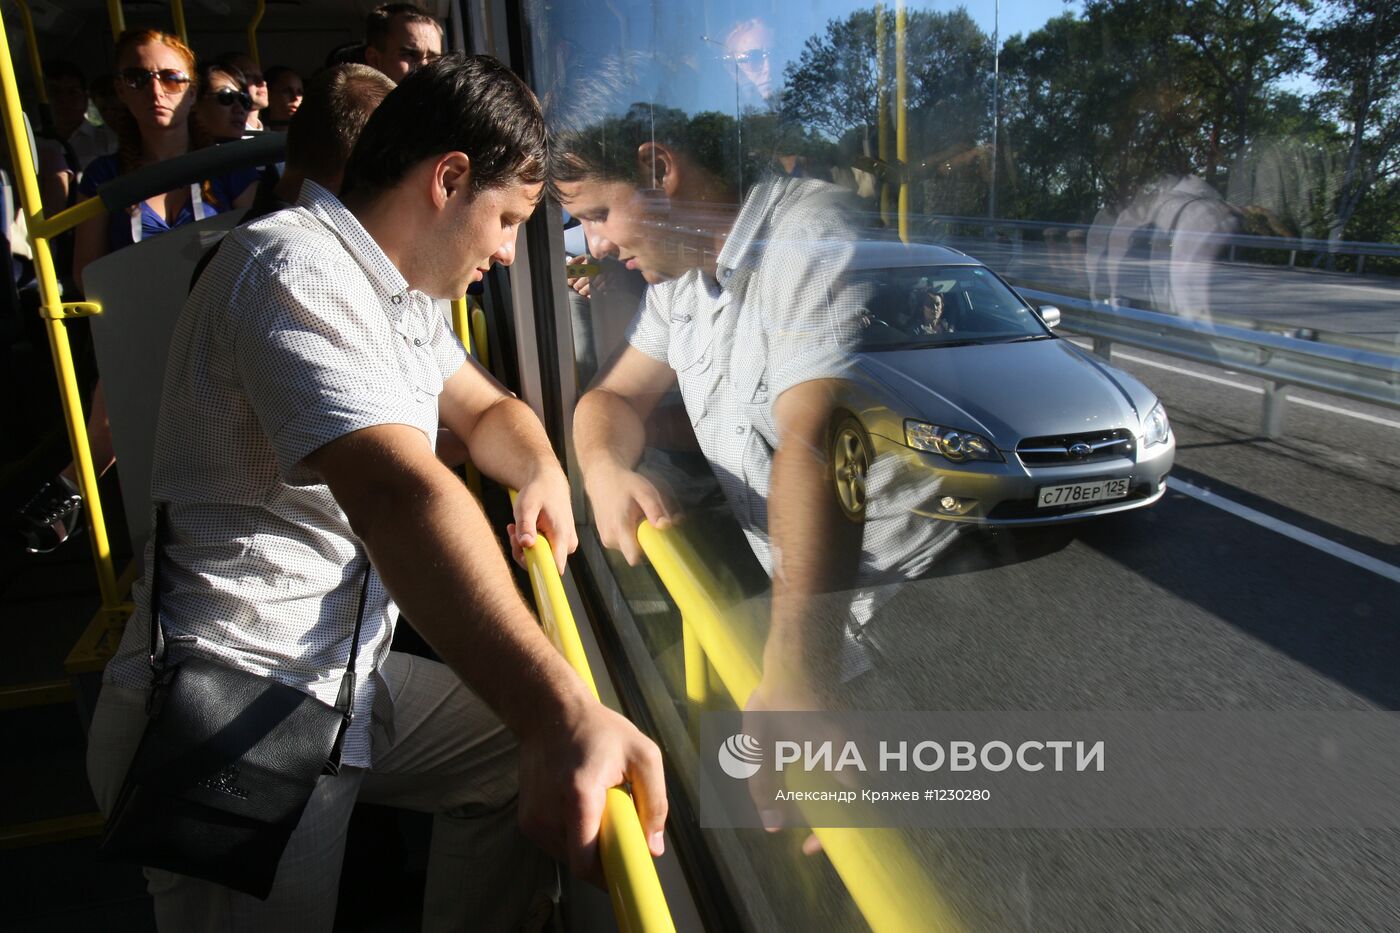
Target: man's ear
659,167
452,177
372,57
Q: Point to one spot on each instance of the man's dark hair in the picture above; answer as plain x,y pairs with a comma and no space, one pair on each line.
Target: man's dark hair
56,69
595,133
457,103
336,105
381,19
351,53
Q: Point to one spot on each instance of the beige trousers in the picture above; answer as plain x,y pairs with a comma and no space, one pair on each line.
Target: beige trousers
444,752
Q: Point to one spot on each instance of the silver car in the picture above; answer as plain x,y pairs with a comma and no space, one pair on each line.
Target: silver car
955,374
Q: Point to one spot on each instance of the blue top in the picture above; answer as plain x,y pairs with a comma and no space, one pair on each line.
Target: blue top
224,187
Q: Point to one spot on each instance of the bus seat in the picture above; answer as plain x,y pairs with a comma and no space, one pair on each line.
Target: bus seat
141,289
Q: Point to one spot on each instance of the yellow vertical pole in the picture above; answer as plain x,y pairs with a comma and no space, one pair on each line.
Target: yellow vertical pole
461,325
901,112
31,42
177,14
118,19
253,32
882,106
52,309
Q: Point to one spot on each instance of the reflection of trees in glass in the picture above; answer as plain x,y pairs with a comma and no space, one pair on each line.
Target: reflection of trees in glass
832,92
1358,52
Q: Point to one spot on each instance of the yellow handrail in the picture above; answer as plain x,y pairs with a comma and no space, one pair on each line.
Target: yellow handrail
31,44
901,116
117,18
177,15
638,902
55,311
483,348
253,32
883,877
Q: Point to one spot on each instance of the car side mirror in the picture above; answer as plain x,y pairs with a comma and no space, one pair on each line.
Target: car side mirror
1050,315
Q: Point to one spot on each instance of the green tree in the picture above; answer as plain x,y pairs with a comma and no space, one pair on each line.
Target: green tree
1358,55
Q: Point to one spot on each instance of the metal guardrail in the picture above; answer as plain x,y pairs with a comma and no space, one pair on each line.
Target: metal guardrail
1241,240
884,878
1350,372
638,902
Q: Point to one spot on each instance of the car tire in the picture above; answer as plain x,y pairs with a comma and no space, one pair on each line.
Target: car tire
851,455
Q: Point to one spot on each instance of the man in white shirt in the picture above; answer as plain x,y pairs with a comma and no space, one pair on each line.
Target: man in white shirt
68,103
308,375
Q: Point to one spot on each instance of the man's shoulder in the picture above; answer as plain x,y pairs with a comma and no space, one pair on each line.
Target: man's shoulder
293,238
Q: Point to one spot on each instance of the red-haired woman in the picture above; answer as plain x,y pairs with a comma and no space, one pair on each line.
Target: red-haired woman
156,82
157,86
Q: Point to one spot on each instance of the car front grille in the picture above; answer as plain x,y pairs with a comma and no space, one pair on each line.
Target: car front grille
1058,449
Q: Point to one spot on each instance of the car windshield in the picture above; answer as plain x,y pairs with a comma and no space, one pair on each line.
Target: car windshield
932,306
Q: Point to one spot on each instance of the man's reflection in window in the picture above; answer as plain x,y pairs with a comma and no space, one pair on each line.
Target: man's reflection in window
751,311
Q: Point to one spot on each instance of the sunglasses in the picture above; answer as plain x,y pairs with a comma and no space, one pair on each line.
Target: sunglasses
753,58
227,95
139,79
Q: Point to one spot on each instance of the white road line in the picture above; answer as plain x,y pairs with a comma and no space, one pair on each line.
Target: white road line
1321,406
1339,551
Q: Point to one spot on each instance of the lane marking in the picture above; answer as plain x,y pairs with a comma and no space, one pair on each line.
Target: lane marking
1292,399
1339,551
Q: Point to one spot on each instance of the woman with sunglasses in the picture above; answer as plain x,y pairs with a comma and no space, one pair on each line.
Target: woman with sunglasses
224,105
156,84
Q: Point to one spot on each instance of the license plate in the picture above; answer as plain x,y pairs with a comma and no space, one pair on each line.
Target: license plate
1081,493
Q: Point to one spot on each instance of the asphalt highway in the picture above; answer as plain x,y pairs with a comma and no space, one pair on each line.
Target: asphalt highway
1358,306
1268,578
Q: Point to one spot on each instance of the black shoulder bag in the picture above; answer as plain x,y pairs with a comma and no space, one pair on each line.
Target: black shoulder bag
226,764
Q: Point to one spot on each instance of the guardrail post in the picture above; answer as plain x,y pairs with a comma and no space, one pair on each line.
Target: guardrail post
1104,347
1275,403
1360,263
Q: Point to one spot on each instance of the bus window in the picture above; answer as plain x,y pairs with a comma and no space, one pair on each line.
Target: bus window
815,254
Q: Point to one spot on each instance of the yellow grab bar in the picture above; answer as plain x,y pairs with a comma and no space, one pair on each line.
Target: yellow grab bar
31,44
177,15
53,310
117,18
883,877
253,32
638,901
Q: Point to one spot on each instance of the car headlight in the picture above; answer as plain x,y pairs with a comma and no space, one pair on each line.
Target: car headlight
957,446
1155,429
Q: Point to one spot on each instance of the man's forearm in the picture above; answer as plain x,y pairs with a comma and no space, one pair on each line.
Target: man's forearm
508,444
437,555
608,433
816,549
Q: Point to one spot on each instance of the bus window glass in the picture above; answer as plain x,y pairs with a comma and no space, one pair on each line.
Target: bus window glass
988,357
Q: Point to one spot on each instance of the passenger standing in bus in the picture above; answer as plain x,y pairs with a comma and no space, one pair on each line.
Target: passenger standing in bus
68,101
157,86
284,94
256,84
308,375
401,38
221,112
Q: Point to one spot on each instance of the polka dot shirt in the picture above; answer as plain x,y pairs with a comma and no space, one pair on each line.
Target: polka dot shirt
301,331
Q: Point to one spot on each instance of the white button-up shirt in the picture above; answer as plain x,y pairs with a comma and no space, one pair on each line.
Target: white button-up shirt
300,331
779,312
782,309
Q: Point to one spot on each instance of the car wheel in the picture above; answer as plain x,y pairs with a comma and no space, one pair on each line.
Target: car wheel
850,465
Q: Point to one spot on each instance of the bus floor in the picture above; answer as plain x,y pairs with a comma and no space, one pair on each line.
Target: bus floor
52,880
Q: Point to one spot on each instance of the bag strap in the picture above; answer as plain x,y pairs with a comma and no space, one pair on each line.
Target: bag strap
344,700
